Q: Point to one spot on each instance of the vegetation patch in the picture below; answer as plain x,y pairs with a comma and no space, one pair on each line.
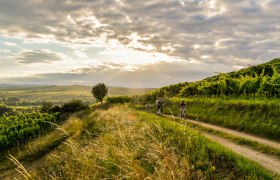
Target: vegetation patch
120,143
256,117
207,155
118,100
245,100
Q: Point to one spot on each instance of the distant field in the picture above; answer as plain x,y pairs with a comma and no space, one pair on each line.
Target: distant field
59,94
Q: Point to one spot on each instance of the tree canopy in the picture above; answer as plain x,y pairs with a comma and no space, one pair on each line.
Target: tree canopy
99,91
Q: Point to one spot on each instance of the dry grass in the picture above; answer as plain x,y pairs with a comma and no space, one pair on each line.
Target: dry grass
33,152
120,143
126,149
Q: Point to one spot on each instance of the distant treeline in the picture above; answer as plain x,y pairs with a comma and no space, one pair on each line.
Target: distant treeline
256,81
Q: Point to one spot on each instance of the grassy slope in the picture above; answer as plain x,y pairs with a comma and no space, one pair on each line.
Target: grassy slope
250,72
258,117
122,143
239,140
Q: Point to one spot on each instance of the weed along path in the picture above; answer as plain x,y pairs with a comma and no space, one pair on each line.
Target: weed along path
269,162
267,142
260,140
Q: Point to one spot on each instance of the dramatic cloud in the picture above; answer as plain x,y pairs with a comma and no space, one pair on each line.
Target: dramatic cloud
177,33
37,56
5,51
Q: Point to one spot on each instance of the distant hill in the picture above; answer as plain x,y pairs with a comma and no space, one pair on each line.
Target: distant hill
128,91
36,95
61,88
10,86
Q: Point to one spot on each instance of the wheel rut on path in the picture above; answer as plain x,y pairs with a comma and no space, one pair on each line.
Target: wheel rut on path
269,162
271,143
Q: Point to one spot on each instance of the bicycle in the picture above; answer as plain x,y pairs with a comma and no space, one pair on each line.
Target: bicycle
182,114
159,111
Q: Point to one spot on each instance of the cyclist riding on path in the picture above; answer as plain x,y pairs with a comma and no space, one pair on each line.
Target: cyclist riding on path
182,109
159,104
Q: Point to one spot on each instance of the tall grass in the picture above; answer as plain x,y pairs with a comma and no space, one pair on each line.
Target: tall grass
205,155
125,149
120,143
36,149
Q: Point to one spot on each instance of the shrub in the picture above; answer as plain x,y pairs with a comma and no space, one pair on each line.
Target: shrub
5,109
46,107
73,106
50,108
118,99
55,109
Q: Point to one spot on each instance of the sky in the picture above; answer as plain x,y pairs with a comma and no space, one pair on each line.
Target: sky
133,43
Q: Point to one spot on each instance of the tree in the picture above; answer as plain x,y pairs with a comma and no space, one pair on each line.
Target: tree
99,91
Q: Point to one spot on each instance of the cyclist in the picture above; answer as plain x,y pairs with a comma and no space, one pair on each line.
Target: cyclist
148,107
159,104
182,109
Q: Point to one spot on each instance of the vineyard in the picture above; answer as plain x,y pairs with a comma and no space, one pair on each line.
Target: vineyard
256,81
245,100
18,129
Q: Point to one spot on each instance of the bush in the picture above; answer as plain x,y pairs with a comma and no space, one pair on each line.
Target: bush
55,109
73,106
50,108
118,100
5,109
46,107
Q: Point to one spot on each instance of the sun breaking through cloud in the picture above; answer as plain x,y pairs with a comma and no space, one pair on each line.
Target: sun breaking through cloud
152,42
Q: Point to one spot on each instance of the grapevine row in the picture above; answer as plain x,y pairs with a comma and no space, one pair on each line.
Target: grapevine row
256,81
16,130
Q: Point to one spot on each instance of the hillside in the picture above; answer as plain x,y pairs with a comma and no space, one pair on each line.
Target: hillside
117,142
259,80
245,100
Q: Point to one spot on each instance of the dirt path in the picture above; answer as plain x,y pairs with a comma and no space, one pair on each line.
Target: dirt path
267,142
260,140
268,162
